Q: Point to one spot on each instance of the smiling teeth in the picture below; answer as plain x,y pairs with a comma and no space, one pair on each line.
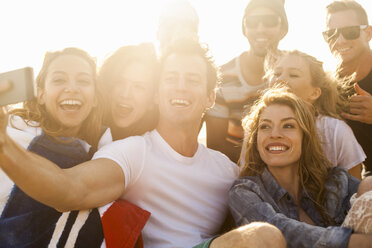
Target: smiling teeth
125,105
180,102
71,102
277,148
343,49
261,39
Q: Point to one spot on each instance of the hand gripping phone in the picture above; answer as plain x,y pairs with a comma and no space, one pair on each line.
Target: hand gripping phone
22,86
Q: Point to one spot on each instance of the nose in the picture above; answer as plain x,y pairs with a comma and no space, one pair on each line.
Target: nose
340,38
182,84
260,27
72,87
125,90
276,132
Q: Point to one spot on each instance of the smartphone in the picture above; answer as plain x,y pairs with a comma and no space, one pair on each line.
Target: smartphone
22,86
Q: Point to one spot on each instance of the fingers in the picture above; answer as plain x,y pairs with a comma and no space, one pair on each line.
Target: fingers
351,117
361,117
5,85
359,98
360,91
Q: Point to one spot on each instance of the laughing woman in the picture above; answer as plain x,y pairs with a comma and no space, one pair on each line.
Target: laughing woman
67,111
128,80
288,182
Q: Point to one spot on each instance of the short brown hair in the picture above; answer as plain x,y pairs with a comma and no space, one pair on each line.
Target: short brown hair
190,47
338,6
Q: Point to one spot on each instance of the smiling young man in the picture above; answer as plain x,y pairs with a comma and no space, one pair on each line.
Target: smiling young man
348,35
264,24
166,172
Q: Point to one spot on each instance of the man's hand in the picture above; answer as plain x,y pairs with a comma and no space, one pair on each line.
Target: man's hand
360,106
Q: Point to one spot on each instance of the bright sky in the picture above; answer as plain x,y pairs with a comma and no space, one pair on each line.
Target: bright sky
30,28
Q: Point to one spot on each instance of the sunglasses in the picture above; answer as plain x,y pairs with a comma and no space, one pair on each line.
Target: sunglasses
269,21
349,33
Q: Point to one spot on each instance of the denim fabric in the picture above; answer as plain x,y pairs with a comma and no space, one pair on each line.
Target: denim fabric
205,244
261,198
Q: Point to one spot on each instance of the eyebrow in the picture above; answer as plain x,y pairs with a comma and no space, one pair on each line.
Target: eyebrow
284,119
63,72
291,68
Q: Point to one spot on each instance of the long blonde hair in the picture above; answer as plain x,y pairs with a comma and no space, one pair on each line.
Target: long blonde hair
329,103
313,164
36,115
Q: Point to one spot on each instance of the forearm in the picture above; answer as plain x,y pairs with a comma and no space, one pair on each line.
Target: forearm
36,176
360,240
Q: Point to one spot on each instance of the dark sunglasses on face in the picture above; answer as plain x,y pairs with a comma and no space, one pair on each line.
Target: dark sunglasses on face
349,33
269,21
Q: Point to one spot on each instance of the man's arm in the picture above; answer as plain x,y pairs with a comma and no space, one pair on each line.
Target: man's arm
88,185
356,171
360,106
216,137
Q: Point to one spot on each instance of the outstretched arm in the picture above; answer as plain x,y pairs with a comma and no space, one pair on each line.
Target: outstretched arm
88,185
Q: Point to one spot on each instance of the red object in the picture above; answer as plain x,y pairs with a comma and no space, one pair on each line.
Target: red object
122,225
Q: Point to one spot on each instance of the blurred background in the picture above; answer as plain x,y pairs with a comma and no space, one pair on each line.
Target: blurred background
30,28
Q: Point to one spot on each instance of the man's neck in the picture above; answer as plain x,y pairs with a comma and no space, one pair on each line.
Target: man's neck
183,139
252,67
361,67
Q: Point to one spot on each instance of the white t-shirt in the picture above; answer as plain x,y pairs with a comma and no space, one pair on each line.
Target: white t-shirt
187,196
105,139
339,143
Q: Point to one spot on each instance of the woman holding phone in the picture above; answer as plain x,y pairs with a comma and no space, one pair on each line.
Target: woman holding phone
68,113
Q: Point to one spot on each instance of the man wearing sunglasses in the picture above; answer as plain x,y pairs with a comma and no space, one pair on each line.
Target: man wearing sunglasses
264,24
348,35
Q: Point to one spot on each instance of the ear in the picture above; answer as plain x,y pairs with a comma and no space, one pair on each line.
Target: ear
315,94
211,99
40,94
282,33
369,33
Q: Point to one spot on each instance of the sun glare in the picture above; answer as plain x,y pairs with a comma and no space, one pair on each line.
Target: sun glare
101,27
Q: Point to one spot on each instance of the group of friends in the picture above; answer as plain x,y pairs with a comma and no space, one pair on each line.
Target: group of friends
110,157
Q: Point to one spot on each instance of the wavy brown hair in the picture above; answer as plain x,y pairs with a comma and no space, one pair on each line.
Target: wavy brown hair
329,102
313,165
36,115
